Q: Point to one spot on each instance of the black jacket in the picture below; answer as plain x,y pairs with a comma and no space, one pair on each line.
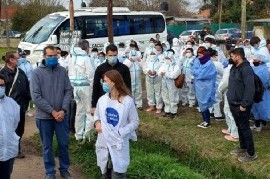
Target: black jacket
21,91
100,71
241,87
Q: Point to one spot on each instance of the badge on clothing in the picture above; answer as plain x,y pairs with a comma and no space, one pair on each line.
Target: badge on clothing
112,116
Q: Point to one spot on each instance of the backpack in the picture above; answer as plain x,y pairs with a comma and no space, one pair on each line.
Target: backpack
259,89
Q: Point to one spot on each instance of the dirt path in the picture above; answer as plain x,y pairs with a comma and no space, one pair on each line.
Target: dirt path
31,167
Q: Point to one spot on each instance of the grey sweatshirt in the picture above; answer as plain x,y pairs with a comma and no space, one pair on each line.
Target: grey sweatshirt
50,90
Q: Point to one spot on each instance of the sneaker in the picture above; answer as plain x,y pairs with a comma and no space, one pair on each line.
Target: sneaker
66,175
247,158
20,155
191,105
50,177
158,111
198,108
238,151
150,108
231,138
220,118
172,116
29,114
257,129
140,108
225,131
184,104
166,114
204,125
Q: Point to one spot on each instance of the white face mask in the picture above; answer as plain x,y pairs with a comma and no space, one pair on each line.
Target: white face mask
189,46
167,60
188,54
94,54
207,45
151,44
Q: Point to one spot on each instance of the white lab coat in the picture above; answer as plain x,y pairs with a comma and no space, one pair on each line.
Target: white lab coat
168,90
81,75
9,119
153,83
135,68
63,61
118,123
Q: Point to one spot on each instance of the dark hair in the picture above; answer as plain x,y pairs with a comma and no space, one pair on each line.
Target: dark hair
171,50
83,44
192,42
8,56
254,40
202,50
122,45
157,35
267,41
212,52
153,40
238,51
57,48
48,47
2,77
159,45
64,53
94,50
135,45
190,49
102,53
120,85
210,40
112,48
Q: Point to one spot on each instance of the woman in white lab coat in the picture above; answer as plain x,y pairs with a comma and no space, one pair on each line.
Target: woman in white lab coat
116,119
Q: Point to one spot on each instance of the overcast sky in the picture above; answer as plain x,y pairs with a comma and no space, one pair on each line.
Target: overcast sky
77,3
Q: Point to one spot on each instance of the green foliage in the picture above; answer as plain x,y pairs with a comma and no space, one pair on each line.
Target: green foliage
28,14
3,51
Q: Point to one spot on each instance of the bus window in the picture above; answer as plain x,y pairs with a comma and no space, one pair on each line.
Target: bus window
159,24
65,26
95,26
120,26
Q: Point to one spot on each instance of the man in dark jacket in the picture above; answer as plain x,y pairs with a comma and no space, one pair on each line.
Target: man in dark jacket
111,63
51,92
17,87
241,91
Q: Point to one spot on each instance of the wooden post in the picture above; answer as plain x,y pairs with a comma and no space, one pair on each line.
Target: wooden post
243,18
71,14
110,21
7,23
220,14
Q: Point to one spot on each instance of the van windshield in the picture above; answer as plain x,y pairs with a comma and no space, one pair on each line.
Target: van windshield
41,31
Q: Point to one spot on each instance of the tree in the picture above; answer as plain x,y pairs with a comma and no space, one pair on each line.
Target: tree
30,12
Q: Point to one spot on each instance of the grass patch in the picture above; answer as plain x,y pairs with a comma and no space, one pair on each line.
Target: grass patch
3,51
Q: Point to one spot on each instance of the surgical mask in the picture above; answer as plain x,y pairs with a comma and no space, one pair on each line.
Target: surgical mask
189,46
256,48
101,58
94,54
106,88
51,61
157,52
188,54
167,60
153,57
121,49
133,52
165,48
112,60
207,45
2,92
21,61
151,44
256,64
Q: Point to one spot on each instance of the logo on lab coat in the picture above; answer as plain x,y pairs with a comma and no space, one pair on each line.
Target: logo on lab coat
112,116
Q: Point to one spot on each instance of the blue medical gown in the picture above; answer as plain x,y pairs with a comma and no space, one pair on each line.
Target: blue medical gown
204,82
261,110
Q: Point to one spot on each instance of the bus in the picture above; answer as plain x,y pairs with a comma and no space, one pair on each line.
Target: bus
92,22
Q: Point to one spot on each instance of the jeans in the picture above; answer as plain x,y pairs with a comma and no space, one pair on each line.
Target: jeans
206,116
6,168
245,134
47,127
110,174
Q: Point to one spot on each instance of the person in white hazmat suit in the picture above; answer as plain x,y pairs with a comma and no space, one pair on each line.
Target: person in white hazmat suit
176,48
187,92
116,120
219,67
149,49
231,133
153,82
81,75
134,63
259,47
169,71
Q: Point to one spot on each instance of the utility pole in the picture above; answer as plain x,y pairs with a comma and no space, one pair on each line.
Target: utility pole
220,14
71,14
6,23
243,18
110,20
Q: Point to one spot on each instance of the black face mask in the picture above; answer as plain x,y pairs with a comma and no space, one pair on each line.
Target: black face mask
231,61
256,64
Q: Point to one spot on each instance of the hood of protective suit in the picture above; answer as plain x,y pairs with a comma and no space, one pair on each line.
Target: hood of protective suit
77,51
263,42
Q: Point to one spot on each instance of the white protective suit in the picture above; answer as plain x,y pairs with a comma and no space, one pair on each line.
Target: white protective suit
187,92
134,63
216,106
9,119
27,68
148,50
63,61
118,124
262,50
176,48
153,83
168,90
81,75
222,89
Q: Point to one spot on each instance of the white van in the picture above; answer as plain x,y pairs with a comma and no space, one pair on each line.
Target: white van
92,22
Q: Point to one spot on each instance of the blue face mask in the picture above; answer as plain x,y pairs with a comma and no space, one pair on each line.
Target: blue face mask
21,61
133,52
101,59
106,87
51,61
112,60
2,92
256,47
